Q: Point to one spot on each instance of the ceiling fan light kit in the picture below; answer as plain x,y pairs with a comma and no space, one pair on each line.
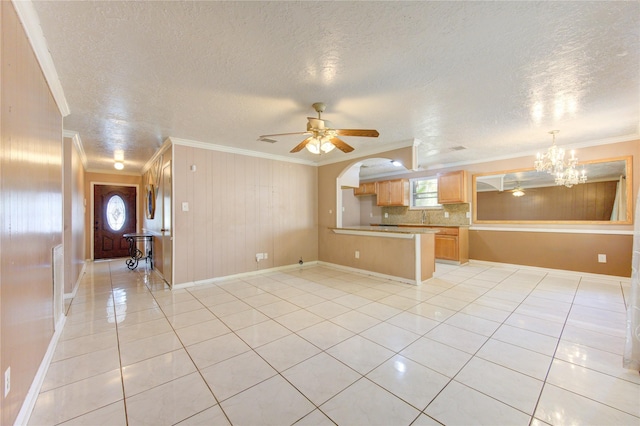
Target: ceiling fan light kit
324,137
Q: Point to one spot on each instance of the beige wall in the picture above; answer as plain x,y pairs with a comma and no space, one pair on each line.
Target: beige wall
572,252
91,178
30,210
240,206
74,215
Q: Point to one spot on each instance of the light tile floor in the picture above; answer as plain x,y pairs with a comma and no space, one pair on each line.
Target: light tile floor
478,344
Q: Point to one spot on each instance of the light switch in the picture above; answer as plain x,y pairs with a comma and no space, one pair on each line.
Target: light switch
185,206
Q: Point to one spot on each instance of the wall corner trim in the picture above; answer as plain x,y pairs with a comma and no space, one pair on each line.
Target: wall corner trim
31,23
77,142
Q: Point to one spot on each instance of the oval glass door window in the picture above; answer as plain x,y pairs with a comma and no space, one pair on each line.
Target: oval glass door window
116,213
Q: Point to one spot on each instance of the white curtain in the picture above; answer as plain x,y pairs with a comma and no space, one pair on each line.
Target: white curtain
631,358
619,211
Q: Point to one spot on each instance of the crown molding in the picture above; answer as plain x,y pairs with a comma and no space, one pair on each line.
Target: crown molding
31,24
164,147
232,150
77,142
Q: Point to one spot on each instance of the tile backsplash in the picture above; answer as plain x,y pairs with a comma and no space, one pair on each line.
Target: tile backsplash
457,215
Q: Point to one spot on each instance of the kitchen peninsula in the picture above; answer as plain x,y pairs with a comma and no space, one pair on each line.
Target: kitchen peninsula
403,253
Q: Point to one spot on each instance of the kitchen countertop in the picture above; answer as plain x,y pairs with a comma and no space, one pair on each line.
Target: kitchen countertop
390,229
419,225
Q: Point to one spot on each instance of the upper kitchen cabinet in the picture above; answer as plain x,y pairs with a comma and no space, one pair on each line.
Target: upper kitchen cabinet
366,188
393,192
452,187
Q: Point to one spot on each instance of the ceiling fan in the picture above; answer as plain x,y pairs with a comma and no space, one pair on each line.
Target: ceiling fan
323,136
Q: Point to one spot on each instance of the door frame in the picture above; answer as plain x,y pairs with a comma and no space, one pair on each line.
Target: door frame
169,163
92,209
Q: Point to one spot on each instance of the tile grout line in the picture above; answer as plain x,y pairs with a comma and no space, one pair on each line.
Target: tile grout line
124,395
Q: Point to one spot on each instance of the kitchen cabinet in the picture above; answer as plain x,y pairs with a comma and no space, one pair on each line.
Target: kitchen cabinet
366,188
452,187
393,192
451,242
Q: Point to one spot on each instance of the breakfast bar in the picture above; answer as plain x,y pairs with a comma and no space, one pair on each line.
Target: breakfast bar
406,254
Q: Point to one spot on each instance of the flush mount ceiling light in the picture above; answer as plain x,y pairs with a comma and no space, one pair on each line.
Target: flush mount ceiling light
553,162
118,158
396,163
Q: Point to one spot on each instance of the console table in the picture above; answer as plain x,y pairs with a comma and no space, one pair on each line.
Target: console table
135,253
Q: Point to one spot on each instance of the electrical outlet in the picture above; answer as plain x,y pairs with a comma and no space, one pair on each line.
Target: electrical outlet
602,258
357,254
7,381
446,214
386,215
185,206
468,215
259,257
370,214
265,256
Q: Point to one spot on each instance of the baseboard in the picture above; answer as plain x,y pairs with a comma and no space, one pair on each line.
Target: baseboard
372,274
243,275
74,291
550,270
34,390
290,267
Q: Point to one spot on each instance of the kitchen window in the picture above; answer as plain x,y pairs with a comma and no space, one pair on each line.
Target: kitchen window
424,193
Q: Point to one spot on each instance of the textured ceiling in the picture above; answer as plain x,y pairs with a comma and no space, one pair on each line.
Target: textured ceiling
493,77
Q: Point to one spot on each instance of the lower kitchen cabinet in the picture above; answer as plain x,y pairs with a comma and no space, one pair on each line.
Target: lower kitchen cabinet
452,244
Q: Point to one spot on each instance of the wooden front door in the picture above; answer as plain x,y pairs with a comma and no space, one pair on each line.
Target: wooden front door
115,214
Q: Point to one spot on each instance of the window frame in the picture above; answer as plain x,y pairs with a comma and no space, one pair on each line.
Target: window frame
412,185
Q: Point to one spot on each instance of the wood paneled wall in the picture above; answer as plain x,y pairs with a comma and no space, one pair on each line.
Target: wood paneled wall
30,210
591,201
239,206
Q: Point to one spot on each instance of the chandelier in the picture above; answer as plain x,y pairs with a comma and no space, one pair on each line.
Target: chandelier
553,162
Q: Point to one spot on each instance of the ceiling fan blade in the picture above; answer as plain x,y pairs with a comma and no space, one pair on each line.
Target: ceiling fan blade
368,133
301,145
282,134
341,145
